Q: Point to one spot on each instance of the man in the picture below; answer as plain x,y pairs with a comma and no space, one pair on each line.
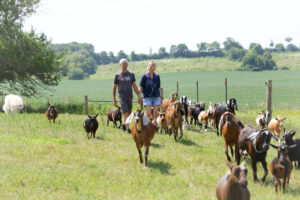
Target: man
125,81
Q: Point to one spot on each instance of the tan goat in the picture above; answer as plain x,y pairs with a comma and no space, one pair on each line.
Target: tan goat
167,102
276,125
174,118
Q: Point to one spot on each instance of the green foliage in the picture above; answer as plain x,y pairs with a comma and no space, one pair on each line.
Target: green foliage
27,64
256,48
121,54
253,61
288,39
292,48
231,43
236,54
279,47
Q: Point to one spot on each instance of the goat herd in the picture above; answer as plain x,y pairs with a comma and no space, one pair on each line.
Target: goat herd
248,142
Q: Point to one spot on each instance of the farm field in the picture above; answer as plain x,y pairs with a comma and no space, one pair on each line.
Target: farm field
247,87
57,161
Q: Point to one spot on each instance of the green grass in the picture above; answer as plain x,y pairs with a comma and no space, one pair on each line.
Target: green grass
43,161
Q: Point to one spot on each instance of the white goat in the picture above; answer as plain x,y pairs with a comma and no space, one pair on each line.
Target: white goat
13,103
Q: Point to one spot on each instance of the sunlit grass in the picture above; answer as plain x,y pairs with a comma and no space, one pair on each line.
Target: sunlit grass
39,160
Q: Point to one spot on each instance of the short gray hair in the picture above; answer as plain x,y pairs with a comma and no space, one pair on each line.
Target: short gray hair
123,60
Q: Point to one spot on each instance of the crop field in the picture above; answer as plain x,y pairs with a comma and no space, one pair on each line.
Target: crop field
247,87
56,161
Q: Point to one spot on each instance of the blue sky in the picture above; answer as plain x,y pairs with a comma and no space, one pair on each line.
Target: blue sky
137,25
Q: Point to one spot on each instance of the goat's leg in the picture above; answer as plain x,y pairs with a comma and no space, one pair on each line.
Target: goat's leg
264,164
120,123
53,120
140,153
216,125
175,130
254,168
237,154
226,152
107,122
146,156
181,132
276,183
94,134
288,181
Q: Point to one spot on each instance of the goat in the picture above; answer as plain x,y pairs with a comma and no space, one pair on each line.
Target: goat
184,102
230,129
115,115
276,125
13,104
281,166
143,132
255,143
195,113
211,114
161,121
90,125
221,108
294,153
203,119
174,119
233,185
167,102
262,119
51,112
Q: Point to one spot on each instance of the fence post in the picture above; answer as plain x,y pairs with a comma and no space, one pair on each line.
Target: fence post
86,101
269,98
197,91
177,89
225,90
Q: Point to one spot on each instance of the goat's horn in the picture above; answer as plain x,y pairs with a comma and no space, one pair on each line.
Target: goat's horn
274,136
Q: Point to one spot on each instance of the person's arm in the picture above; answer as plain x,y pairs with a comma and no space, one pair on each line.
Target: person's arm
114,94
137,92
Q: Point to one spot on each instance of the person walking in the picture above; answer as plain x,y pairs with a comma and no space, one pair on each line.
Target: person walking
125,81
150,87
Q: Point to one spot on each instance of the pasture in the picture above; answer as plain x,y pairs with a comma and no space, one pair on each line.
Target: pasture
57,161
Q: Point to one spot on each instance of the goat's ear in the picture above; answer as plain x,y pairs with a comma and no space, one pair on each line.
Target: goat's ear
48,104
54,104
229,165
292,132
89,116
96,116
274,146
284,131
276,119
284,119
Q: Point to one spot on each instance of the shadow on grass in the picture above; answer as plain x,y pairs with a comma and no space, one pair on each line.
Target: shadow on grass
187,142
163,167
99,138
154,145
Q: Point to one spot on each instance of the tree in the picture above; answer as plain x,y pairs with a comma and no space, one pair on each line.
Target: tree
27,64
133,56
236,53
182,51
121,54
230,42
202,46
254,62
279,47
288,39
292,48
162,53
256,48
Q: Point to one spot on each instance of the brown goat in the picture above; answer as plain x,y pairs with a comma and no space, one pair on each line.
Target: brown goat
233,185
276,125
174,118
167,102
161,121
203,119
229,127
51,112
281,166
115,115
211,114
142,134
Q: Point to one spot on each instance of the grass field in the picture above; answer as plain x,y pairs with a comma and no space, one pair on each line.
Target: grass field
43,161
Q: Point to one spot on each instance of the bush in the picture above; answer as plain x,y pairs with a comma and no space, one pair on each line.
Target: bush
284,68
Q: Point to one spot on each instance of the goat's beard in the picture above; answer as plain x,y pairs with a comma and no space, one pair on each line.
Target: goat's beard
138,126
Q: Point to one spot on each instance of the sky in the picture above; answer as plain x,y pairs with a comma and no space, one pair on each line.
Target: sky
138,25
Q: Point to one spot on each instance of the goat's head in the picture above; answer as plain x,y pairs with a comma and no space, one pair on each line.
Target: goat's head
232,104
288,137
51,109
162,116
183,100
228,118
93,117
264,139
239,173
280,120
282,152
139,115
174,95
119,112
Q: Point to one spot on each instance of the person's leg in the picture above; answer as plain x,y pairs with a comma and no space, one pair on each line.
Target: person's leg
148,111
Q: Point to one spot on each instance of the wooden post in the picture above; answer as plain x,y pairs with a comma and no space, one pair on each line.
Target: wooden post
161,92
225,90
269,98
86,101
177,90
197,91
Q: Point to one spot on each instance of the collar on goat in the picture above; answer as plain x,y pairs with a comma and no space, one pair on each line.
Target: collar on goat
253,139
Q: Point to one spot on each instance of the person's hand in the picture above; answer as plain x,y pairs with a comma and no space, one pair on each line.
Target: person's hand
115,103
140,100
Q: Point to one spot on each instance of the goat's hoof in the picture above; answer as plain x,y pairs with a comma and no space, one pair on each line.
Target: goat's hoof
145,167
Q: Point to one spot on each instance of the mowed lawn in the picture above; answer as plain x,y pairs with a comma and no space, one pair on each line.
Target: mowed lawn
39,160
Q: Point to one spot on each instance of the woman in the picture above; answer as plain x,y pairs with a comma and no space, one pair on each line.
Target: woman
150,87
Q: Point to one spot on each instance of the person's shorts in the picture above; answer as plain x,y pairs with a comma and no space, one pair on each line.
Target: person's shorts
151,101
126,105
